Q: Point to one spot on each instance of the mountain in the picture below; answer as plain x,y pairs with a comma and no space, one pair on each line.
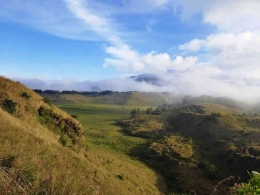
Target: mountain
149,78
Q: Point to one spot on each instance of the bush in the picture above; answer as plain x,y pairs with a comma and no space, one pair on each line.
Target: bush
74,116
215,115
203,164
121,177
25,95
47,101
209,170
9,106
135,112
149,110
157,111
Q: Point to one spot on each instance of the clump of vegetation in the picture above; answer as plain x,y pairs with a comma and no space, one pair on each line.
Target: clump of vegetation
135,112
215,115
121,177
74,116
157,111
47,101
209,170
9,106
252,187
63,140
149,110
25,95
8,162
66,127
146,126
160,110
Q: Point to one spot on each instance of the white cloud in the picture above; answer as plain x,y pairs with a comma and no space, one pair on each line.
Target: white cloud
229,51
163,62
224,63
122,51
228,15
51,16
126,59
96,22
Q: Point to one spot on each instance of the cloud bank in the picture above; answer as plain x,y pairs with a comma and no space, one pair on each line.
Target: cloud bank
224,63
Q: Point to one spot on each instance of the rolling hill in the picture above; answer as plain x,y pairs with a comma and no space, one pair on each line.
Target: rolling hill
123,98
43,152
196,146
177,148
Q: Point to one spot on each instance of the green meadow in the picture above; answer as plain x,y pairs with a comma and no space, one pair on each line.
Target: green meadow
99,122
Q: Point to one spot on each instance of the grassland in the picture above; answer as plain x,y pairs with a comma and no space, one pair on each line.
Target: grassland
33,161
123,99
99,121
186,148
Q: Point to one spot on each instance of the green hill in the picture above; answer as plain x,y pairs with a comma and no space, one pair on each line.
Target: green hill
42,151
176,148
195,146
123,98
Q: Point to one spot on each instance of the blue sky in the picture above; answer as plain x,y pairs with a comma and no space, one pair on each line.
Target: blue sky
27,51
70,43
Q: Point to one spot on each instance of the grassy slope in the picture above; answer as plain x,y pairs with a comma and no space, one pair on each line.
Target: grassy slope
38,161
228,143
226,140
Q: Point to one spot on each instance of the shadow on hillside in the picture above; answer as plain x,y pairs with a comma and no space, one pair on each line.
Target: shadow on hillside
139,153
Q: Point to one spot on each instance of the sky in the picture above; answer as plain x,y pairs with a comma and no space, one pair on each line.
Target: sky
209,47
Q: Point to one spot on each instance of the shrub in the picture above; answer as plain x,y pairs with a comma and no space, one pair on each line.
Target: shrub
47,101
74,116
203,164
9,106
135,111
63,140
121,177
209,170
149,110
25,95
44,112
252,187
157,111
215,115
